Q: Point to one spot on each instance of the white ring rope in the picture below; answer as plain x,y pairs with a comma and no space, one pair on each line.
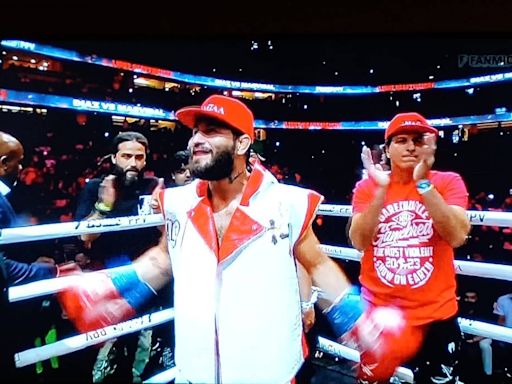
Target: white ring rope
328,346
75,343
499,219
49,286
75,228
491,331
163,377
462,267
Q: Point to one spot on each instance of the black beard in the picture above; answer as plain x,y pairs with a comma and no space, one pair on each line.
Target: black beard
467,308
122,179
220,167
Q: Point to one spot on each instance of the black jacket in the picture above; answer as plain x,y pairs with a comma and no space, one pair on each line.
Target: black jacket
14,273
128,244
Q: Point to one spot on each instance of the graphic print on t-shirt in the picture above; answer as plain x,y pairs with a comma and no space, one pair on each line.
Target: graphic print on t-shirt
402,247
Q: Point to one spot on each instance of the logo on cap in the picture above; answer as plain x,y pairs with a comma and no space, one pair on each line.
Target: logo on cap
213,108
228,110
411,122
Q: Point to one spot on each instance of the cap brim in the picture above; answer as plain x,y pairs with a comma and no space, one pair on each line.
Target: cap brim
189,115
415,129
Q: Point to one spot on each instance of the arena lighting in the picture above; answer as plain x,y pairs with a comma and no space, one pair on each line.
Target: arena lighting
32,98
79,104
16,109
488,125
230,84
455,137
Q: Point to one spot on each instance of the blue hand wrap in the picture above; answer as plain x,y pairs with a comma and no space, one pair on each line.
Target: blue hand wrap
345,313
134,290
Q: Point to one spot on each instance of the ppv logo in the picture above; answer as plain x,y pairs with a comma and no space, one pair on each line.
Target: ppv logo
213,108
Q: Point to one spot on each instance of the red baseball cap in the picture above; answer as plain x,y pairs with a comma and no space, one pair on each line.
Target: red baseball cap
408,122
226,109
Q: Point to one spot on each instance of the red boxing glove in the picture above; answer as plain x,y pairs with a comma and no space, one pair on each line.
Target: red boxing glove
384,340
100,299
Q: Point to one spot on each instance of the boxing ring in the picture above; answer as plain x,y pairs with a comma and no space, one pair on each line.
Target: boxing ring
81,341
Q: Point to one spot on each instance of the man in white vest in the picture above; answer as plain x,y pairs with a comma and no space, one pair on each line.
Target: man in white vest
233,240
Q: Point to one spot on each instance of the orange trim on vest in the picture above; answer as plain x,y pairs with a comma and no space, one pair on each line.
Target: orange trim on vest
201,216
241,229
305,348
253,184
314,199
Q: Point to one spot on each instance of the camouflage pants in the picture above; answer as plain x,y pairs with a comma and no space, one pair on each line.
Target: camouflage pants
115,354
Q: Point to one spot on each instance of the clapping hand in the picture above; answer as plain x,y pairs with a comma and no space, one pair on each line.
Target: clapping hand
426,155
375,171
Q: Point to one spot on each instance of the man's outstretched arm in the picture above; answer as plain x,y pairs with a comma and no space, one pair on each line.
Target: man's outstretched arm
23,273
154,265
342,304
103,298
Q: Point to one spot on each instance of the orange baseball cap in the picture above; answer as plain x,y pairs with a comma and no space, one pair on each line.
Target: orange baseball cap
408,122
226,109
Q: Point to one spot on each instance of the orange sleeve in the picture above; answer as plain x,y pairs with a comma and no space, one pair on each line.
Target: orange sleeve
452,188
362,196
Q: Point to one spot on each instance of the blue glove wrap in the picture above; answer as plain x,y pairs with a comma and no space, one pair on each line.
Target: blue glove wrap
135,291
344,314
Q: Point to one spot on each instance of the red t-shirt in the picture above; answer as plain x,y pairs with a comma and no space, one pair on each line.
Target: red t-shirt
408,264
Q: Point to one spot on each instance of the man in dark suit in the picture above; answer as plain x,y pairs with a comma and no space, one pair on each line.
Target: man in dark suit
11,154
13,272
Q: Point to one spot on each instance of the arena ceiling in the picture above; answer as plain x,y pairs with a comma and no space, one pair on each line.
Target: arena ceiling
369,60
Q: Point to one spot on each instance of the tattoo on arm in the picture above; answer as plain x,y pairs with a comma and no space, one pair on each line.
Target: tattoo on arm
163,270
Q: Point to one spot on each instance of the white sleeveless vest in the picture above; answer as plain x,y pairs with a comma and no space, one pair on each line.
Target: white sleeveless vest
237,308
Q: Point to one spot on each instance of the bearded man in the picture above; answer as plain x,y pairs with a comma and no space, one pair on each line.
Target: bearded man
120,193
